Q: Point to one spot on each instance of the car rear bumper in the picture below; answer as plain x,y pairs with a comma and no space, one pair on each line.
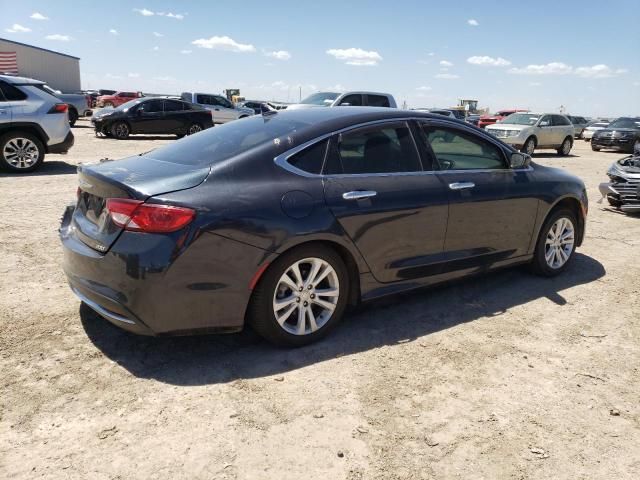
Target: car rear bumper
64,146
154,284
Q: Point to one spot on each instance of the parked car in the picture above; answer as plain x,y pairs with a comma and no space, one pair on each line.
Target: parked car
351,99
284,222
621,134
32,124
152,116
486,120
258,106
530,131
623,189
473,119
223,110
79,104
116,99
579,124
592,128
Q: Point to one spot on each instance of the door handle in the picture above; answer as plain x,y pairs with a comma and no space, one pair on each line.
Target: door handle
359,194
461,185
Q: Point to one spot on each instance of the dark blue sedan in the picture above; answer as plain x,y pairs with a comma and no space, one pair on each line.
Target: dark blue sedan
283,219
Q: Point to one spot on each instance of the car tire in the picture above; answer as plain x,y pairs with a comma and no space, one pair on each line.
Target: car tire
635,147
556,243
614,203
34,150
529,146
194,128
120,130
73,116
295,326
565,148
594,148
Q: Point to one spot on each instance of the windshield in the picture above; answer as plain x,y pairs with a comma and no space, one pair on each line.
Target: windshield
222,142
521,119
321,98
625,123
126,106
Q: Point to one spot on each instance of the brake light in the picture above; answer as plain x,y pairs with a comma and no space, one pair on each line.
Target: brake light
59,108
137,216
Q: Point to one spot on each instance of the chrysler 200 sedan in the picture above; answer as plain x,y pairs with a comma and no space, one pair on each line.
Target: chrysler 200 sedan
282,220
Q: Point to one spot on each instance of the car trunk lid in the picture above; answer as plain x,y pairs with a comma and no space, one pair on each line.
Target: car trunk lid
136,178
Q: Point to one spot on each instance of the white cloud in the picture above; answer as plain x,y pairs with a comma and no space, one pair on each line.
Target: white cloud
17,28
165,79
157,34
488,61
113,31
58,38
423,88
338,87
177,16
356,56
113,77
156,48
144,12
279,55
473,22
223,43
553,68
598,71
280,85
445,63
636,84
447,76
535,84
185,52
431,54
133,75
38,16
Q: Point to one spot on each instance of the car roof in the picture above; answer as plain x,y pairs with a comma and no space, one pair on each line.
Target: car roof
21,80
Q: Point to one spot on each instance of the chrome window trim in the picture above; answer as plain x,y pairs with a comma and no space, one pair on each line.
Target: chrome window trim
282,159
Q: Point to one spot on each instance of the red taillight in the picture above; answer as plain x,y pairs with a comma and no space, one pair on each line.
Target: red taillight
136,216
88,99
59,108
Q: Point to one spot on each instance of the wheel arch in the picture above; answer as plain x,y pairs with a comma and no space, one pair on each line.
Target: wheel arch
32,128
571,202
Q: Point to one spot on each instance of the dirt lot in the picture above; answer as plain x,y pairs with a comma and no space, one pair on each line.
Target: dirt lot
508,376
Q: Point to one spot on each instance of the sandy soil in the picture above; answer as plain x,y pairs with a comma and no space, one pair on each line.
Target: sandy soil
507,376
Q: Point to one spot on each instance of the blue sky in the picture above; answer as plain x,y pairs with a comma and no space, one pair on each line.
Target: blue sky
538,55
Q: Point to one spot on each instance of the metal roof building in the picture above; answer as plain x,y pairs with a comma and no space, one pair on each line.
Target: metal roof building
59,70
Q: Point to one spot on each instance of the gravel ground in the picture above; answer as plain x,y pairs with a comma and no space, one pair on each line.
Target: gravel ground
508,376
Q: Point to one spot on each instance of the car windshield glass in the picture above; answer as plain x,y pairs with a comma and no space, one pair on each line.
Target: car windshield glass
521,119
599,125
625,123
217,144
322,98
126,106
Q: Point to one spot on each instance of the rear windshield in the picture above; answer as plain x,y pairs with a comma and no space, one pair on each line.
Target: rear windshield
222,142
521,119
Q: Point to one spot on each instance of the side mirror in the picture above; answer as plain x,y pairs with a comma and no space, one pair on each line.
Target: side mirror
519,160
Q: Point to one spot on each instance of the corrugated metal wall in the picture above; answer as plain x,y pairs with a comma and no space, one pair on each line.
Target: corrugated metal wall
59,71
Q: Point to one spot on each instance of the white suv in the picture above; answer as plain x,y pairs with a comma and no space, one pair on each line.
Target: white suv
32,123
529,131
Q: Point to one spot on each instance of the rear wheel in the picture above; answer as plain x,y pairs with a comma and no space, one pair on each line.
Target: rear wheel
556,244
120,130
529,146
594,148
565,148
301,297
195,128
21,152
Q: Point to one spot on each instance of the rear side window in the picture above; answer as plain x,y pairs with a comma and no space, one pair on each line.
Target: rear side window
11,93
378,101
385,149
310,159
172,106
458,150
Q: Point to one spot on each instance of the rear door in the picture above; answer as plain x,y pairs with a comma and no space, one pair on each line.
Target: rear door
393,209
561,128
492,208
175,117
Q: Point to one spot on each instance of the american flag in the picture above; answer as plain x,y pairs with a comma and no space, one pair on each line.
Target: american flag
8,62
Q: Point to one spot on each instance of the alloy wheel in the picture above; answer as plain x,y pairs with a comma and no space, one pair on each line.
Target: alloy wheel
21,152
122,130
195,128
559,243
529,147
566,147
306,296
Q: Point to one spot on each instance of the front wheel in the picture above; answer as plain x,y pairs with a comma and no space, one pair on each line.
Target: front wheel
301,297
556,244
529,146
565,148
120,130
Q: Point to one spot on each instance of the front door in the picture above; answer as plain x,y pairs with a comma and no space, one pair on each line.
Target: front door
545,133
223,110
393,209
148,117
492,208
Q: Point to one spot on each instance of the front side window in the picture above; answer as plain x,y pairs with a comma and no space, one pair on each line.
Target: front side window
223,102
354,100
310,159
152,106
204,100
385,149
458,150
